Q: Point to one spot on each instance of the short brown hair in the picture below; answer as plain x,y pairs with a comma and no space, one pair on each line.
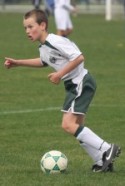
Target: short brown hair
39,15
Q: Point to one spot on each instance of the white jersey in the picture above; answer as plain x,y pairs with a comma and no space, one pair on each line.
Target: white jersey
65,4
57,51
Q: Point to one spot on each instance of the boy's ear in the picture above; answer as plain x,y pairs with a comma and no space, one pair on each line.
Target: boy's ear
43,26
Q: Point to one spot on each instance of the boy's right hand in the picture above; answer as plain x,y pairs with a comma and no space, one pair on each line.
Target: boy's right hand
9,62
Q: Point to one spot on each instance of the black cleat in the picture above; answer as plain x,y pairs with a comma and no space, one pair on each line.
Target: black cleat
109,157
98,168
110,168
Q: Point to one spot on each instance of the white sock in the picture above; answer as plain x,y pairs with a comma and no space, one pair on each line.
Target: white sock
105,146
95,154
88,137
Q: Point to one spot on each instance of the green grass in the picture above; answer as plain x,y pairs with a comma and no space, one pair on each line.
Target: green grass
25,137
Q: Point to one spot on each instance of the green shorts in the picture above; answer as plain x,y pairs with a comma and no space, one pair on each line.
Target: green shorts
79,96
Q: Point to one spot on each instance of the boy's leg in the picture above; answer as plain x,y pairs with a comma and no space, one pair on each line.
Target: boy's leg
70,125
92,143
96,155
95,146
89,137
108,151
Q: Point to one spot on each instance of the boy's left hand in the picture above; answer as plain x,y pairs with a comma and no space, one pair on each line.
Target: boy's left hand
54,78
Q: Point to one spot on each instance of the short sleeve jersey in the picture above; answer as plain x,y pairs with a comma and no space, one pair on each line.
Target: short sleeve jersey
57,51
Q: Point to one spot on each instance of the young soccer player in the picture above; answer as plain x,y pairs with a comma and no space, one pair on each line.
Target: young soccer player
68,64
62,10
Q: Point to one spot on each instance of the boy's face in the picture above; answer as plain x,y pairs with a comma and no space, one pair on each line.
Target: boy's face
33,29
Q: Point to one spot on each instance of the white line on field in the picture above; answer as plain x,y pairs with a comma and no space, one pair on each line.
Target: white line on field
28,110
50,109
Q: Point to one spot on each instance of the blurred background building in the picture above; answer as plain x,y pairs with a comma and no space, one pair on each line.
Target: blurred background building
83,6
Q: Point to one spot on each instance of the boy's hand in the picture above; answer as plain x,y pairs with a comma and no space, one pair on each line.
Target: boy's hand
54,78
9,62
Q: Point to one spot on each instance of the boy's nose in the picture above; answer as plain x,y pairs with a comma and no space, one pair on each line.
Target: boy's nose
27,31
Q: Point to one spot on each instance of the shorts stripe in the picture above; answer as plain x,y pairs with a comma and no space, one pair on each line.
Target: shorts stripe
79,96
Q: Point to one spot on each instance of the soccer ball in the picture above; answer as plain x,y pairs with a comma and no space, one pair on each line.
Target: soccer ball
54,162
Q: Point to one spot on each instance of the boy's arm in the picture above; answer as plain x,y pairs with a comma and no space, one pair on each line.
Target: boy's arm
56,76
10,62
70,66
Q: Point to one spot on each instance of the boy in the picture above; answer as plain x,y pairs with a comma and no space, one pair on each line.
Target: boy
68,63
62,11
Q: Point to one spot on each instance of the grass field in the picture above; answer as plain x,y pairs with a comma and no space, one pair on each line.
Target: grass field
30,117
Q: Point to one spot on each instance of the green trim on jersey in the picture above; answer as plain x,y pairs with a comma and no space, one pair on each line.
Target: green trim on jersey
49,45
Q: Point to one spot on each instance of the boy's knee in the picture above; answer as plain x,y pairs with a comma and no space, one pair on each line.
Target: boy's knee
69,127
65,126
71,122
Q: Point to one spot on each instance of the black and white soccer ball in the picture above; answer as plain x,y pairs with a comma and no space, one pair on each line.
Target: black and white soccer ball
54,162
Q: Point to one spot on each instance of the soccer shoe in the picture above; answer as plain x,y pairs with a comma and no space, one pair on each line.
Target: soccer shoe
109,156
98,168
110,168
